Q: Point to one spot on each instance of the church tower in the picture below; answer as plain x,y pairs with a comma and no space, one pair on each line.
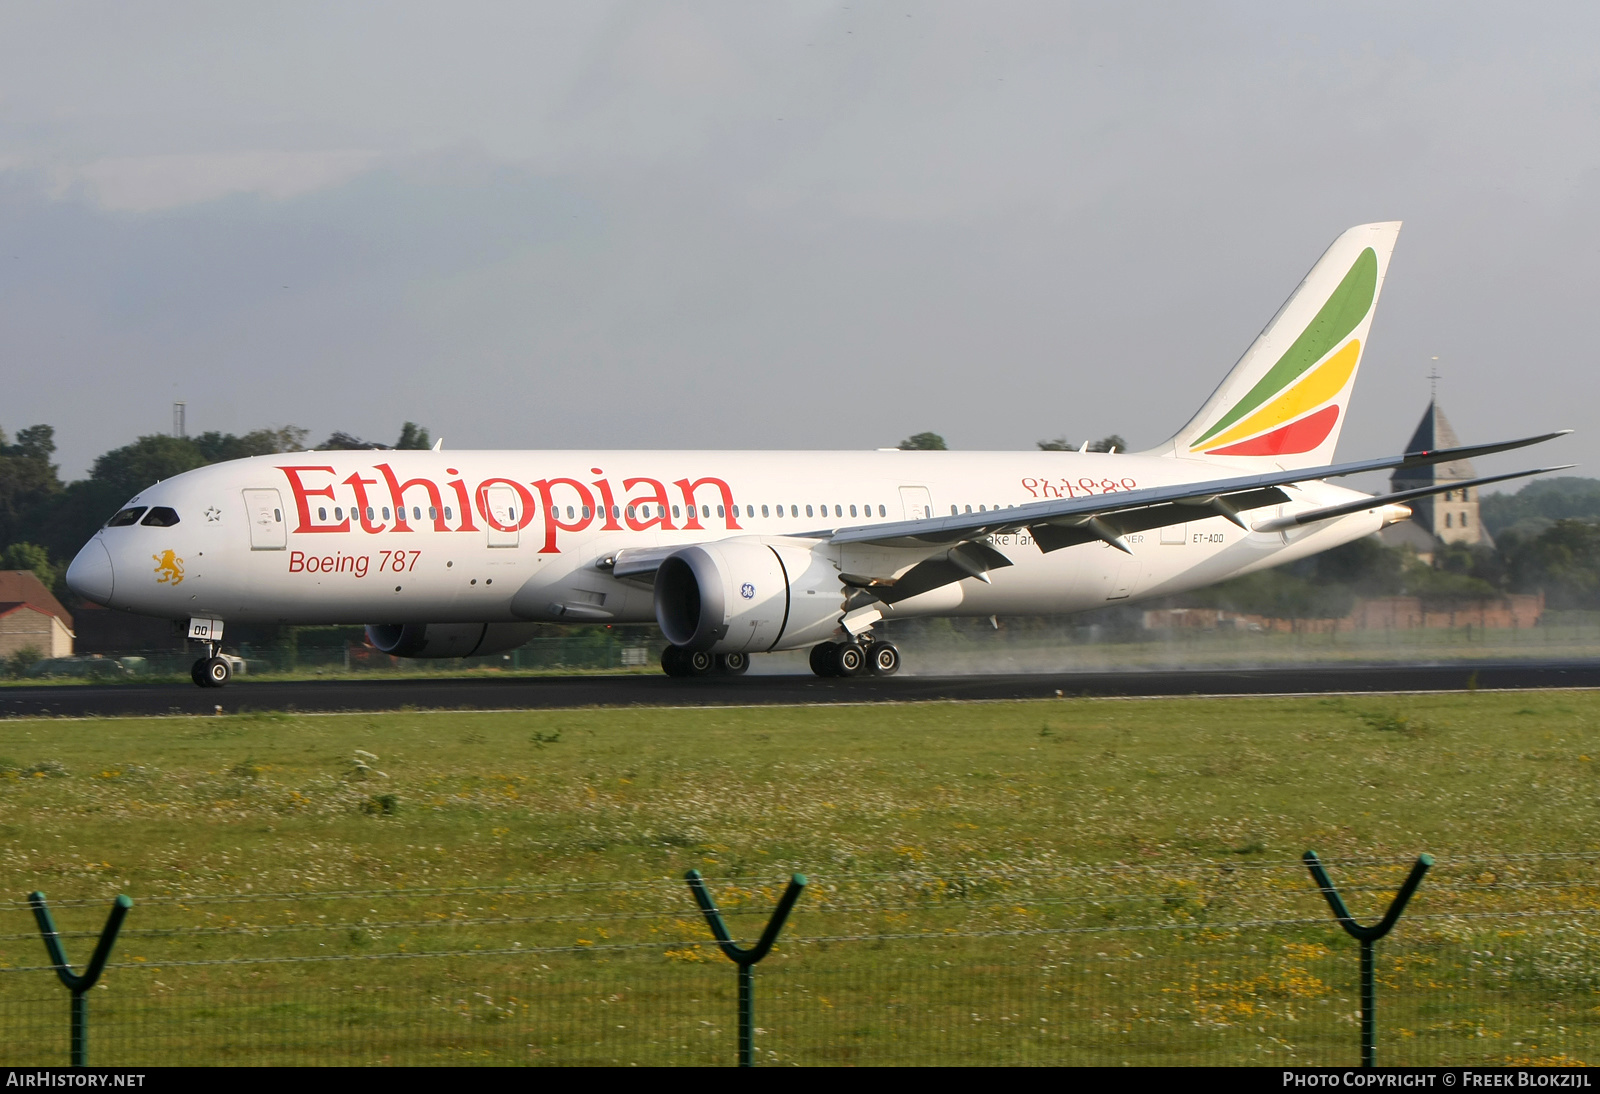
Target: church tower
1451,517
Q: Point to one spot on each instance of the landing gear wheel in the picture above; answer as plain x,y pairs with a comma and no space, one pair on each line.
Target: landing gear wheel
733,664
197,673
822,659
883,659
677,661
849,659
217,672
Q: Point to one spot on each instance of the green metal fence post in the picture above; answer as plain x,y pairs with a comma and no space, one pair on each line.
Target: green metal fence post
1366,936
745,959
79,985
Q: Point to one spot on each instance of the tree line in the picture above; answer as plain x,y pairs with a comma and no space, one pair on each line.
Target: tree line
44,521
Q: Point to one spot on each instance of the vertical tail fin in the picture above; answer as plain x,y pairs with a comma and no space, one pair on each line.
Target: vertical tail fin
1284,402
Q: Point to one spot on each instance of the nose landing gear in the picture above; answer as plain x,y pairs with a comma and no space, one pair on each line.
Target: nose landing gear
211,672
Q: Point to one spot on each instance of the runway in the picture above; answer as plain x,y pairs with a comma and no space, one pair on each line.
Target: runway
569,692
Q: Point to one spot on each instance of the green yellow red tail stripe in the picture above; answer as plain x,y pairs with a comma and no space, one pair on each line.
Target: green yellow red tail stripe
1279,415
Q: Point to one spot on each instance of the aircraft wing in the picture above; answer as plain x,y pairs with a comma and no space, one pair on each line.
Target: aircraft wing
1067,521
1108,517
956,547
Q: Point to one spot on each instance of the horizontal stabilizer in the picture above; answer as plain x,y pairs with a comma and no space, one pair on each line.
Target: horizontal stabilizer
1329,512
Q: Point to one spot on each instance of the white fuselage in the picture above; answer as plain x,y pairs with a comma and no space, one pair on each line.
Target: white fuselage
515,536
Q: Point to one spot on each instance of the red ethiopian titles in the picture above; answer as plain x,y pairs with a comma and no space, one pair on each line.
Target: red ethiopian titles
543,499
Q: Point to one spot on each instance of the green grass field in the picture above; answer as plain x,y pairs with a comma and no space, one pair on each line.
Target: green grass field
1033,882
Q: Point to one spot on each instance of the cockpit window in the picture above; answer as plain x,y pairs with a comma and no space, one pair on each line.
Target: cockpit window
161,517
126,517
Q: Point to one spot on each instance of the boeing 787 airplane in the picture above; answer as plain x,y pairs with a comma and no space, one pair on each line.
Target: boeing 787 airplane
457,554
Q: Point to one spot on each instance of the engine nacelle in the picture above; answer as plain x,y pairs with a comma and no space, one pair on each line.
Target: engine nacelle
747,595
448,639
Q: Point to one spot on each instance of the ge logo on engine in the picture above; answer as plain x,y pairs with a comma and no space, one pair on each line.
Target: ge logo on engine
747,590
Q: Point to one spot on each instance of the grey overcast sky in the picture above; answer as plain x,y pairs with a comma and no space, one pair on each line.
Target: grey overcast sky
778,225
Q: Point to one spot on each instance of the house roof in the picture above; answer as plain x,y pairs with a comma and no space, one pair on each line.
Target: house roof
24,587
8,607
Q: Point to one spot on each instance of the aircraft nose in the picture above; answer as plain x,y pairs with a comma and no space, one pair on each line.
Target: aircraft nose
90,573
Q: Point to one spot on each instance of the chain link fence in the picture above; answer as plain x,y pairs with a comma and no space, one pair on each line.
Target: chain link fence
1496,962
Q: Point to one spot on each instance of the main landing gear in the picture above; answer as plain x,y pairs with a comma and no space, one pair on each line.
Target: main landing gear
212,670
858,657
677,661
855,658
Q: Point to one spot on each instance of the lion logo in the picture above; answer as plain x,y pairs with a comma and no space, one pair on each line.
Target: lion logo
169,568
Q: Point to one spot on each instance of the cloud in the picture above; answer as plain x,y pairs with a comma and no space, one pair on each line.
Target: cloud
145,184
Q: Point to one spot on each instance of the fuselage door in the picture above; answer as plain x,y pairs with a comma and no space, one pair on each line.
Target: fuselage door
917,501
502,512
268,530
1122,574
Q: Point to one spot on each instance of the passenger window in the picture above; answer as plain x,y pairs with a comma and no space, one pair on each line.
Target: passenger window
338,512
764,511
160,517
780,510
981,509
794,510
720,513
126,517
838,510
882,512
586,512
750,511
385,512
676,512
416,512
447,515
616,511
630,512
433,512
852,510
277,515
322,514
954,511
569,513
511,513
705,511
808,510
969,508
